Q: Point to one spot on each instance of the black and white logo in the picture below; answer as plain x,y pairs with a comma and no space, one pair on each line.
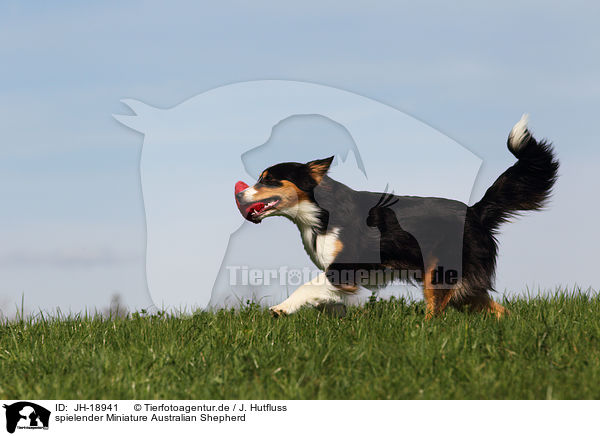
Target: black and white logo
26,415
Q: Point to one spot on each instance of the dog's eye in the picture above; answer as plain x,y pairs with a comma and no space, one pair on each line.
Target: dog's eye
269,180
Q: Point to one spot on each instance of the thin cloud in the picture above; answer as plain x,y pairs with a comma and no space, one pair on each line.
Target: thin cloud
82,258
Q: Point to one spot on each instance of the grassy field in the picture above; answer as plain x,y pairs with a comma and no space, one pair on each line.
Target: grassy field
547,348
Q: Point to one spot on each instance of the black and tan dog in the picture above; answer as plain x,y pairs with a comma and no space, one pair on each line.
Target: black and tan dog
357,238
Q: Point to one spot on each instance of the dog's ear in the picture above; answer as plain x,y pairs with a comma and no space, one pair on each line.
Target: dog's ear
318,168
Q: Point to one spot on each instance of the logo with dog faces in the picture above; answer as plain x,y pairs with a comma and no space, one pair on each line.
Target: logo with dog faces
24,415
193,154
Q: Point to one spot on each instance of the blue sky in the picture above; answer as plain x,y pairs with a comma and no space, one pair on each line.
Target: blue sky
72,219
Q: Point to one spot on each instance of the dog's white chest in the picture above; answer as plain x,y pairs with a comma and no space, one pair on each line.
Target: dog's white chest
322,249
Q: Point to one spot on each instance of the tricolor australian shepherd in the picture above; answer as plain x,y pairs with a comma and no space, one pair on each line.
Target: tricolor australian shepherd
351,235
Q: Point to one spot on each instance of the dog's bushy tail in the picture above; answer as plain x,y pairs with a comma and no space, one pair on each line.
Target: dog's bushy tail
524,186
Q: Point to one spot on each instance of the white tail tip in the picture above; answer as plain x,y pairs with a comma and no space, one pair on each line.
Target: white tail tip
519,133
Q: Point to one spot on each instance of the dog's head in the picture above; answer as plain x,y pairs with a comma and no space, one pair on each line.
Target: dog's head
284,189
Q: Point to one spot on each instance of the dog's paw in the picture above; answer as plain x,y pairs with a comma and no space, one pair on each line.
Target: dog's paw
277,312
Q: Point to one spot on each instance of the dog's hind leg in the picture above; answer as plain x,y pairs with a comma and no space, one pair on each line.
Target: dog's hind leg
318,292
429,291
436,299
484,303
443,298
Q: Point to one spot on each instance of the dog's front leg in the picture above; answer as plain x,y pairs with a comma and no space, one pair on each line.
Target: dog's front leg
318,291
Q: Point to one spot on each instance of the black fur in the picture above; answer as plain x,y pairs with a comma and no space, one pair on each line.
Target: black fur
524,186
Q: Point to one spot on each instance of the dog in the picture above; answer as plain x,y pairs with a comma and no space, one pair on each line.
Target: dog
358,238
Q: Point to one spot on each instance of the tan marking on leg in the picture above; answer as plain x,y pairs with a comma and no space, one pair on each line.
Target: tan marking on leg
484,303
497,309
338,246
429,303
436,299
445,297
428,291
348,289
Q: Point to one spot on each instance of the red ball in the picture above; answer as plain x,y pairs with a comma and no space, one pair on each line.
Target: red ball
240,186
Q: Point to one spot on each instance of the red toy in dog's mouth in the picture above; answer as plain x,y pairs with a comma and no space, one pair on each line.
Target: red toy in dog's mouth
253,211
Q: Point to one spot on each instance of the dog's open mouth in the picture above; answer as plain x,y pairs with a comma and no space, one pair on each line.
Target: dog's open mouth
256,211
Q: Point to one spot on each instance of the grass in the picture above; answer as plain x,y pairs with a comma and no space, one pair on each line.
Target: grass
548,348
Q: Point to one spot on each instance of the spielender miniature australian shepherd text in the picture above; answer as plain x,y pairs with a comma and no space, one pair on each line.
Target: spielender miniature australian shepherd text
341,228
